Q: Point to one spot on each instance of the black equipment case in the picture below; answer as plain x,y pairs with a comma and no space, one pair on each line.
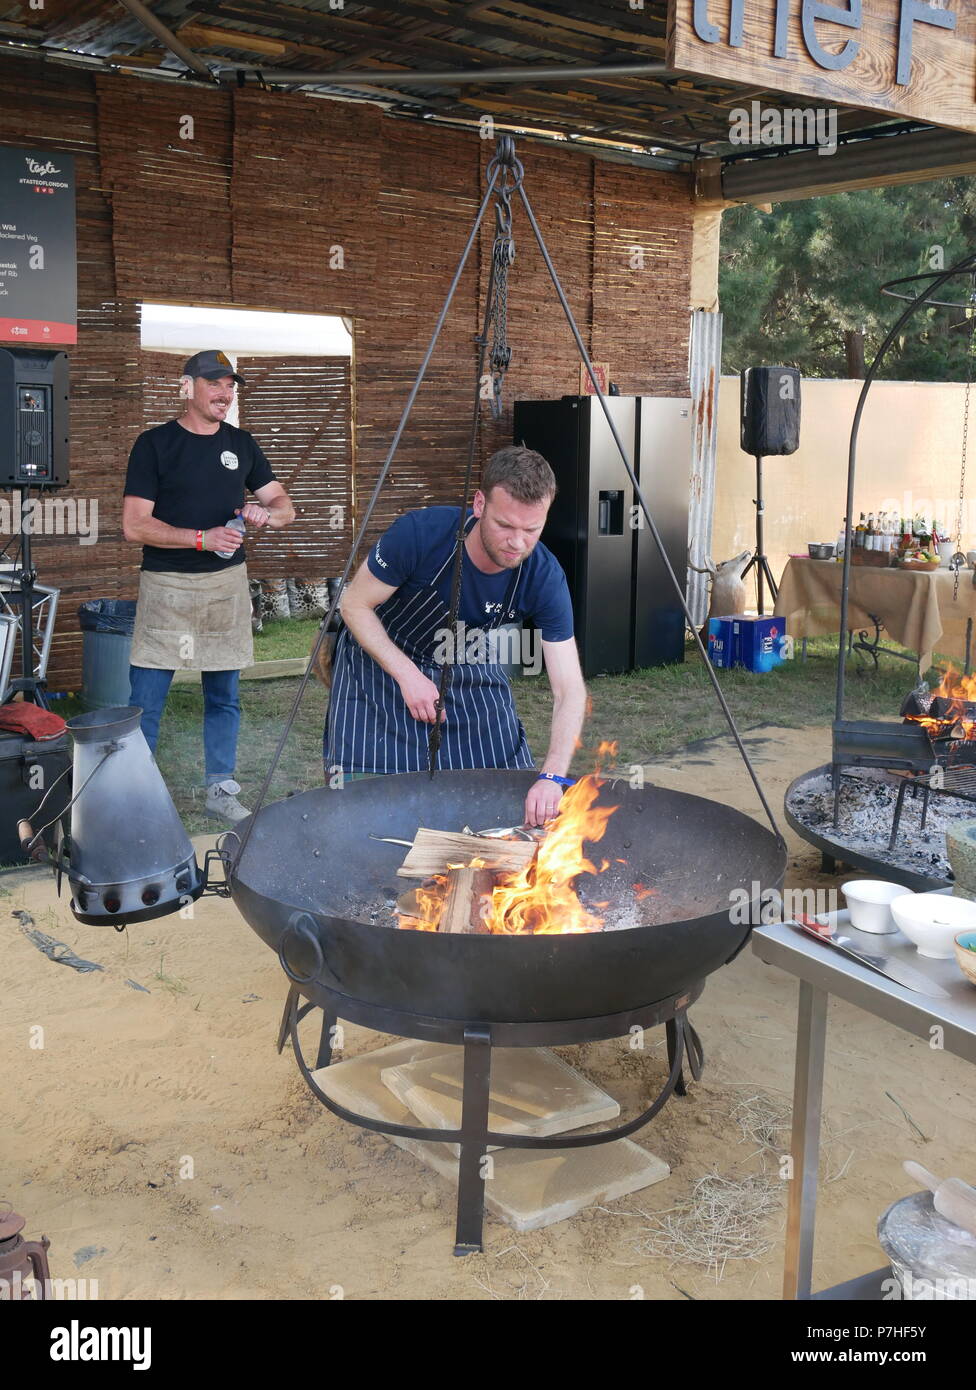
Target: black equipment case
27,772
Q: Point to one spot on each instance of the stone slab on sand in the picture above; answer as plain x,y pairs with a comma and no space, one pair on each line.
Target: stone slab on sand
532,1092
527,1190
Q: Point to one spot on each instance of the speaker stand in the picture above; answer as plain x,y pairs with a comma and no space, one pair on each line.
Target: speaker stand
30,684
759,555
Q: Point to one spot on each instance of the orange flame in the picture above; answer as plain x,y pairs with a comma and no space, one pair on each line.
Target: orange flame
429,897
540,899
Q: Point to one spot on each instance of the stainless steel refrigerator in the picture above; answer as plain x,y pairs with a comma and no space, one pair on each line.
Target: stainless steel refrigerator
626,611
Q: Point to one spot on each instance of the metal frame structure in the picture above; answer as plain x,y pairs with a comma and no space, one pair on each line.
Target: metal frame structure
474,1135
41,625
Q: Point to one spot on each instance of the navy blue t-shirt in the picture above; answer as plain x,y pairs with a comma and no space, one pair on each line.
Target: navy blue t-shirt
417,545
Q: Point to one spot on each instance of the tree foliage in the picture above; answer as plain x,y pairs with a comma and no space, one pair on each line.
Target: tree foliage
794,281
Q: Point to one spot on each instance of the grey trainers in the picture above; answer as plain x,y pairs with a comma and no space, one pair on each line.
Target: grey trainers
222,801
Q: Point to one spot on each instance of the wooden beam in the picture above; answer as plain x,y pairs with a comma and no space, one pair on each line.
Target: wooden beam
878,163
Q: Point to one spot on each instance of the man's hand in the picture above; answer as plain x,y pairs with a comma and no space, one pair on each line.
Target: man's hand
420,695
542,802
254,514
222,538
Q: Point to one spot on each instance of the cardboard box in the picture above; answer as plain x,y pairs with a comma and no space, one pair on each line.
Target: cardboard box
758,644
721,642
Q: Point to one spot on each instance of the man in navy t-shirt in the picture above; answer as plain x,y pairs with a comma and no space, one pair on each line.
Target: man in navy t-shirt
397,635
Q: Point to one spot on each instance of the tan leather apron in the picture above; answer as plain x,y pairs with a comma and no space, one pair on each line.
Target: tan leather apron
193,622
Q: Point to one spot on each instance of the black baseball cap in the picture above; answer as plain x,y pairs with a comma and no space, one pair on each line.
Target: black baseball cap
213,364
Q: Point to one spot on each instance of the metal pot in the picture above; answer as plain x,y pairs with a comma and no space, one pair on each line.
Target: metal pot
309,866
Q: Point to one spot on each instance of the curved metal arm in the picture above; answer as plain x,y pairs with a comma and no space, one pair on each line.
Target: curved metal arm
966,266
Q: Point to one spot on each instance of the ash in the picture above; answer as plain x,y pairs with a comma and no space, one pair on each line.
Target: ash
867,808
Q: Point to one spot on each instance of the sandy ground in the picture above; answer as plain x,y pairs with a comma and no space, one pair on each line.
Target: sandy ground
285,1201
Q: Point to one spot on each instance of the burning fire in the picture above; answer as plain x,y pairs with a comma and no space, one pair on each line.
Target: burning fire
959,693
539,899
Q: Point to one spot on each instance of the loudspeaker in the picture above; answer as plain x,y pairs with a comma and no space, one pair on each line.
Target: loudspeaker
770,405
33,418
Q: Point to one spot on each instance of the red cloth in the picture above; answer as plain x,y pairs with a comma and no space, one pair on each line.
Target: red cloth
19,717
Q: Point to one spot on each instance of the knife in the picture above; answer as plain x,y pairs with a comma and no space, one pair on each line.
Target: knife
895,970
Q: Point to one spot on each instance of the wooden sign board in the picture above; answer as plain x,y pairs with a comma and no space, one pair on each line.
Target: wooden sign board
902,57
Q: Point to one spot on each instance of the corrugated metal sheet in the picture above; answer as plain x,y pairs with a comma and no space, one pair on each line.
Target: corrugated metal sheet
704,368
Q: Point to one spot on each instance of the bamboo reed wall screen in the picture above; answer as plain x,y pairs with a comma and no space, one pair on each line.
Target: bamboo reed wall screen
282,202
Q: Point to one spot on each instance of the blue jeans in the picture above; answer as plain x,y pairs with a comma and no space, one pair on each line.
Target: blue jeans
221,714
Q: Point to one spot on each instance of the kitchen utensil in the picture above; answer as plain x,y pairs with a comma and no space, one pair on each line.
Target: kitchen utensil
952,1198
932,921
932,1258
904,975
868,900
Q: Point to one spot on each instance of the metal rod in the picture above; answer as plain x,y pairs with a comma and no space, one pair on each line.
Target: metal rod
638,492
811,1036
475,1101
166,37
448,76
370,507
967,264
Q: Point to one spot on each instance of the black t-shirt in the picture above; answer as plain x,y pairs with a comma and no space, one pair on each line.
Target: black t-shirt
195,480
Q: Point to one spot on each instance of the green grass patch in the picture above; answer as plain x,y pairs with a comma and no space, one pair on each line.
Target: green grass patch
289,637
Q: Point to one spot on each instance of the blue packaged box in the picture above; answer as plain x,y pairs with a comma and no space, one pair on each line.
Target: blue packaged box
721,642
759,644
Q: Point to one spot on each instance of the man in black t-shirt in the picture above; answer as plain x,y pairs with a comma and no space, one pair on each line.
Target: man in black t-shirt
186,479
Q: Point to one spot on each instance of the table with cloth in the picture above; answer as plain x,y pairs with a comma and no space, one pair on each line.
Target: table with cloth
915,607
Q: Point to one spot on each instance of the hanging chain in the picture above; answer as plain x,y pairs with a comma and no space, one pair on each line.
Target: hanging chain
958,559
503,257
496,322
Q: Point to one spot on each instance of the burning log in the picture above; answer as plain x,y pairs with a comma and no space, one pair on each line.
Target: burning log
468,899
458,901
435,851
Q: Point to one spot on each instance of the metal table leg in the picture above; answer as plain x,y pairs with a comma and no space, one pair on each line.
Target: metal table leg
474,1145
811,1033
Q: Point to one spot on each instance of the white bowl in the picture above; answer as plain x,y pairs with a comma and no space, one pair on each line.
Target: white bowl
933,920
868,900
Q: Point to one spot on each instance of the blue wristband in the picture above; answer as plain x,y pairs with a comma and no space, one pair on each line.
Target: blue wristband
552,777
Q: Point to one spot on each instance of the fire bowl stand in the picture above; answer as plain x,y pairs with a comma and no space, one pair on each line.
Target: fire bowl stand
478,1039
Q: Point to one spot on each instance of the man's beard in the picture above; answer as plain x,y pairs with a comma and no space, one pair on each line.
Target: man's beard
498,557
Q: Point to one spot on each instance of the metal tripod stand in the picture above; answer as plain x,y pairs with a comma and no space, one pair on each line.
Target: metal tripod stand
759,556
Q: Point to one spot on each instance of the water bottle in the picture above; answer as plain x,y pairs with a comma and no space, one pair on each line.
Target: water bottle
236,523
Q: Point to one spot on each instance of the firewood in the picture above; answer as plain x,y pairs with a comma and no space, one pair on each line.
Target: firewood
433,852
463,905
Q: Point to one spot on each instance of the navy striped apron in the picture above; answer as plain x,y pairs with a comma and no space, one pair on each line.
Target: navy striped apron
368,726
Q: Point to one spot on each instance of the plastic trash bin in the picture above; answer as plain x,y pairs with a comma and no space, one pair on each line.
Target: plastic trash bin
106,627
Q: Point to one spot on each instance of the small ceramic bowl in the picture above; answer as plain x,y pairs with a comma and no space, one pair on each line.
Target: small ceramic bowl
868,900
933,920
965,944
